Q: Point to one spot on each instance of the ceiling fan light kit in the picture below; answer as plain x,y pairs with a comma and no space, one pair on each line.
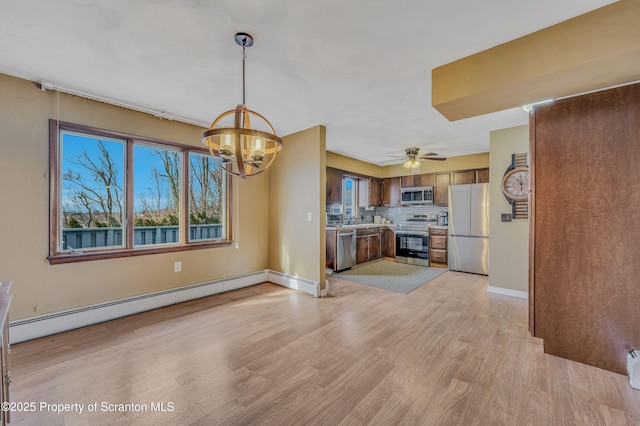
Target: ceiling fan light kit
412,154
240,149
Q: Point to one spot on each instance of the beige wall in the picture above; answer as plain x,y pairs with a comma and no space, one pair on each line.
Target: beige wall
41,288
585,53
509,241
341,162
463,162
296,189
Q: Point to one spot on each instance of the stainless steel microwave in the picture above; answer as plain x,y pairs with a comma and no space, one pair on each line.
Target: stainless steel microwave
418,195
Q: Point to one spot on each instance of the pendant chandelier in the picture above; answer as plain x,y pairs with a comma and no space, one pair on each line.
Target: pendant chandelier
242,150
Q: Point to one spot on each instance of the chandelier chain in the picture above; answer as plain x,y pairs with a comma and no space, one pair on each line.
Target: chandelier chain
244,57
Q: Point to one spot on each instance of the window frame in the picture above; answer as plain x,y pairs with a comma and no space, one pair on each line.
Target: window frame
58,257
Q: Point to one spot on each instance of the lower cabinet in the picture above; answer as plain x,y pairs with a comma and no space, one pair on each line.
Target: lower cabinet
331,250
388,243
362,249
367,244
438,247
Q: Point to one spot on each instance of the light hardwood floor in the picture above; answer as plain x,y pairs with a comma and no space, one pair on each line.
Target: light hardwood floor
447,353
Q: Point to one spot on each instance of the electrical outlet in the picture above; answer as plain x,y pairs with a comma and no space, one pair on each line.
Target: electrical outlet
177,266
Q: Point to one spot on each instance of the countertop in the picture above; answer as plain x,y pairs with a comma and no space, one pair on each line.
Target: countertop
374,225
361,225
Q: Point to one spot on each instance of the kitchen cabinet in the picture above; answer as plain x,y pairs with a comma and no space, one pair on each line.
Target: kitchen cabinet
367,244
483,176
388,243
374,247
375,192
391,192
438,247
441,189
334,186
369,192
412,181
470,176
362,249
331,250
464,176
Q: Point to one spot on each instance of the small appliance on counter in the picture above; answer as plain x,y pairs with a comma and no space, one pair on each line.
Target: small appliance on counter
333,219
443,219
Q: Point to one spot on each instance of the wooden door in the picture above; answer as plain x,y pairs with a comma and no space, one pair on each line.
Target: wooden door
586,211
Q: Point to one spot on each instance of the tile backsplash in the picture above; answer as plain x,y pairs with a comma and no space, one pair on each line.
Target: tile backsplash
399,215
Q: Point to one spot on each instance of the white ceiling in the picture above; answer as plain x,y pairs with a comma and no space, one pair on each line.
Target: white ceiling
361,68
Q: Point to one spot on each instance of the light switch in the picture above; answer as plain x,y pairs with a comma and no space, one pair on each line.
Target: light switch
309,216
177,266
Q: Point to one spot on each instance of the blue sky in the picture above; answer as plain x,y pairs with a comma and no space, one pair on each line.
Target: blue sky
74,145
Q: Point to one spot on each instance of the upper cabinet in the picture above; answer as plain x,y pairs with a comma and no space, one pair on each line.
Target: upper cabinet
374,192
412,181
391,192
470,176
441,190
334,186
369,192
483,175
464,176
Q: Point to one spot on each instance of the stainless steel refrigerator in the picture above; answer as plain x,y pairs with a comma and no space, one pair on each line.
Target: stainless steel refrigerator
469,228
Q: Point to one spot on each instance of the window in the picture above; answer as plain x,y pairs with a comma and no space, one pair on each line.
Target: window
349,200
156,195
115,195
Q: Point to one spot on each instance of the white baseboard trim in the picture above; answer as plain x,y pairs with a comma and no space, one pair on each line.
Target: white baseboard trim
325,292
295,283
508,292
45,325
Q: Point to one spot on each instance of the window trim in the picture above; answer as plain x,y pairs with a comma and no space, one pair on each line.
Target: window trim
55,257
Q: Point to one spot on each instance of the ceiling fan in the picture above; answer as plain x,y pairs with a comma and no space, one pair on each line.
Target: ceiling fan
413,155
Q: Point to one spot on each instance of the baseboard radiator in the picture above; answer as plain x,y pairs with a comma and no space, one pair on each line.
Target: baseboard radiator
57,322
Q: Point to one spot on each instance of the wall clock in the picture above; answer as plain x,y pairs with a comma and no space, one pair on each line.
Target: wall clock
515,185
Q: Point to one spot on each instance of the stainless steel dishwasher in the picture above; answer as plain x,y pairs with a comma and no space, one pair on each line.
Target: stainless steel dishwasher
346,256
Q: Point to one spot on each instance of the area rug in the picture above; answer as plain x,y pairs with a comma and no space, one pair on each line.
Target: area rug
398,277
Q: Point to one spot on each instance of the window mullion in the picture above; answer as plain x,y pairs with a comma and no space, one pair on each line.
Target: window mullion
129,202
184,197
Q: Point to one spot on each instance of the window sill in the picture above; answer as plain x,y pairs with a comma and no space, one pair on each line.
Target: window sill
118,253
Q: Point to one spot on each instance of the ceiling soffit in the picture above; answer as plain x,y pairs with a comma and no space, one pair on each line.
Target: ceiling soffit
592,51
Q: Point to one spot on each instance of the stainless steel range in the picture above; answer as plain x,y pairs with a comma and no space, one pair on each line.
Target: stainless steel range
412,240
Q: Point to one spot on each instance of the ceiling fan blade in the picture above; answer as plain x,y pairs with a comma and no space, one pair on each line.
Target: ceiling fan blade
434,158
428,154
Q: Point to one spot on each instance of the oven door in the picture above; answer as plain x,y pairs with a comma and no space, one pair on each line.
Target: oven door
412,245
